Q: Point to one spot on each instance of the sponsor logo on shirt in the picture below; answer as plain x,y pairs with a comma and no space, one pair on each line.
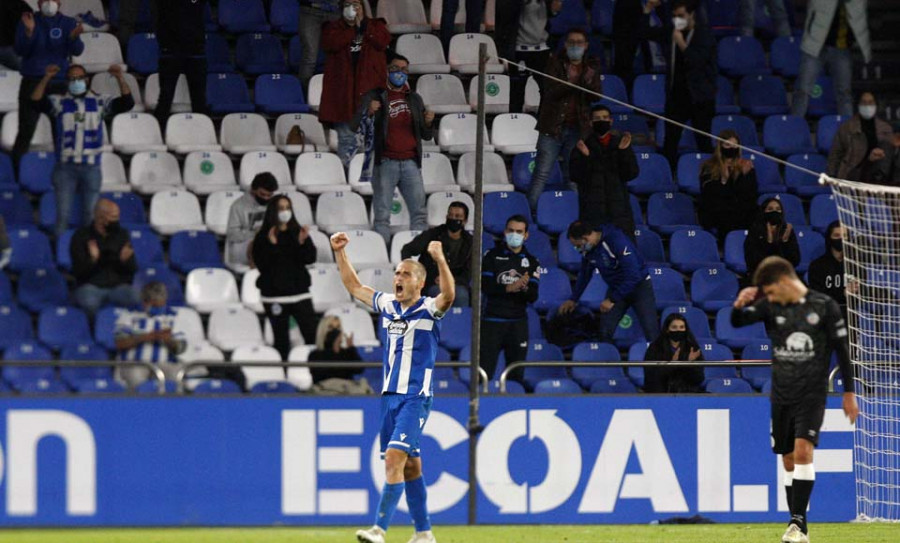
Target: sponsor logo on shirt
398,327
397,108
509,277
798,347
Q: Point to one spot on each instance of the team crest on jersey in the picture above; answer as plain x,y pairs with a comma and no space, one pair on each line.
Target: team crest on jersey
398,327
813,318
524,262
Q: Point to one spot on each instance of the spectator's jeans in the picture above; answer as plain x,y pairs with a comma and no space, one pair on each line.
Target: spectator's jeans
405,175
91,297
69,179
462,294
10,59
643,301
347,143
840,67
311,21
549,149
776,12
474,13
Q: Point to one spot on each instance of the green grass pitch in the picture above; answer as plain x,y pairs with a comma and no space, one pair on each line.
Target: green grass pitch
719,533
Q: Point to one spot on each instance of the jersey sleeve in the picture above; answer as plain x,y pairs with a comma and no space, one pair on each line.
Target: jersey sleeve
381,301
123,325
431,306
836,329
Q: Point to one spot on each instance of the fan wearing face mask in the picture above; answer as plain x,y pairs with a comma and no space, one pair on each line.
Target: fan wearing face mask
727,188
281,251
826,273
861,143
675,343
770,235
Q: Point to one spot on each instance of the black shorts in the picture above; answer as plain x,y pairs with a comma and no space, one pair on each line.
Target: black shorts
790,422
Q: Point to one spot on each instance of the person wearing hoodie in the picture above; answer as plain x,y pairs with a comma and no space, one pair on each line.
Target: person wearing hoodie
244,219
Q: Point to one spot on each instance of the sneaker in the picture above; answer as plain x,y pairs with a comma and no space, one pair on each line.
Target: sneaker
794,534
372,535
423,537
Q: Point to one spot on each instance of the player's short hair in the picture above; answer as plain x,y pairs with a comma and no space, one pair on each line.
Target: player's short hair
771,270
461,205
518,218
418,268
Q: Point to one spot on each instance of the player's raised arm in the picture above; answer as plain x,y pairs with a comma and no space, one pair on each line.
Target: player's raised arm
351,281
444,300
744,311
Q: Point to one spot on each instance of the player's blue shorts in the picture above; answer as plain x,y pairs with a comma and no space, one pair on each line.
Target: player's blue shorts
402,420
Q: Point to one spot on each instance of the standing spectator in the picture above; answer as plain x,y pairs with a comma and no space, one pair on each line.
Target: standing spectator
245,217
281,251
777,13
5,248
333,346
889,171
11,12
129,11
832,28
79,118
48,38
103,261
676,344
474,13
727,188
602,164
609,250
826,273
509,281
355,63
861,143
313,15
457,245
565,112
400,122
770,235
181,32
632,24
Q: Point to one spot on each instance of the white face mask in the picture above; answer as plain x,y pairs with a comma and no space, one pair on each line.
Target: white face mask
49,8
285,216
680,23
350,13
867,112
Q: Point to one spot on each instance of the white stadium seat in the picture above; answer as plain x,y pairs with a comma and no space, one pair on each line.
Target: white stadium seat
10,81
464,54
323,247
532,95
209,172
440,201
233,327
366,249
496,94
313,133
495,175
113,171
380,278
43,134
429,146
189,132
314,92
181,102
443,93
357,322
250,295
514,133
105,84
404,16
456,134
74,8
341,210
425,53
437,173
153,172
326,288
202,351
136,132
301,378
244,133
256,162
175,210
256,375
207,289
101,50
302,208
190,325
315,173
400,219
354,172
218,206
400,239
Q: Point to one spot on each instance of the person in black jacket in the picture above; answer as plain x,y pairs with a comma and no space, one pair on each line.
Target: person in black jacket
770,235
509,282
630,21
10,14
181,32
601,165
675,343
330,347
826,273
281,251
457,244
728,188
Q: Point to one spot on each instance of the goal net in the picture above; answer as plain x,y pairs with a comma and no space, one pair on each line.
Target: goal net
870,215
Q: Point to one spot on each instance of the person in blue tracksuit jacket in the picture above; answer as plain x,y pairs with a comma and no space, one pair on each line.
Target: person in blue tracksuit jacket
607,249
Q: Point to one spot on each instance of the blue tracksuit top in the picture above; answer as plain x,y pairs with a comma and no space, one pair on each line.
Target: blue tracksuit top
618,261
49,44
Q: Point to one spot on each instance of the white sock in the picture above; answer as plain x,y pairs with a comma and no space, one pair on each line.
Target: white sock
804,472
788,478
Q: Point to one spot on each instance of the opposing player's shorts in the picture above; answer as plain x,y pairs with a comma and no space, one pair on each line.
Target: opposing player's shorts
790,422
402,420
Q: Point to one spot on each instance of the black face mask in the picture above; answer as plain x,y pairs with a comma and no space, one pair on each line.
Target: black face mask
261,201
601,127
836,244
331,337
113,227
773,217
730,152
454,225
678,336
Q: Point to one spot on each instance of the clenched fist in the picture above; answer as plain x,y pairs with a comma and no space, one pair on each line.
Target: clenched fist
339,240
436,250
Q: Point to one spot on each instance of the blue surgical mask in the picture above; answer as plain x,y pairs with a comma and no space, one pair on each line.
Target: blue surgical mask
575,52
397,79
77,87
515,240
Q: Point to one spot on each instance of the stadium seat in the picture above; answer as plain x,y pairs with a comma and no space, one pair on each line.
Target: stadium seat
88,352
649,92
15,326
556,210
166,276
464,54
613,386
812,246
594,293
230,328
381,279
136,132
355,321
105,84
734,251
668,212
191,132
512,387
557,386
822,212
43,134
668,287
189,324
785,135
499,206
614,88
437,173
181,101
175,210
30,249
398,240
7,175
449,386
523,165
245,133
572,15
15,209
757,375
323,245
218,55
553,289
532,96
131,209
763,95
192,250
655,175
514,133
439,202
792,205
697,320
367,249
723,385
456,328
542,351
404,16
650,247
218,207
6,293
35,171
24,378
284,15
302,208
744,127
100,386
101,50
691,249
40,288
725,102
456,134
317,173
152,172
635,124
717,352
205,387
10,81
199,352
312,129
115,180
105,326
279,93
341,210
206,173
688,169
538,244
228,94
241,16
826,129
803,184
785,56
737,338
822,102
47,211
354,176
713,288
273,387
266,376
594,352
211,288
256,162
496,94
143,53
443,94
148,248
767,175
740,56
63,326
314,92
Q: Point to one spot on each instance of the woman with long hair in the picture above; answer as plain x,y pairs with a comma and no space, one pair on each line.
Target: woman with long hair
728,188
675,343
281,251
332,345
770,235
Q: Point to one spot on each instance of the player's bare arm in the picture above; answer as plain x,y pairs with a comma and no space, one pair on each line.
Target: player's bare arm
745,297
351,281
444,300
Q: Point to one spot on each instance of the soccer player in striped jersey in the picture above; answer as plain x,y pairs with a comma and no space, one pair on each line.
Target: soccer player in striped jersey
410,329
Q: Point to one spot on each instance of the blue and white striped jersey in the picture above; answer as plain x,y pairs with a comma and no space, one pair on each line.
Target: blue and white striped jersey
132,323
79,127
410,342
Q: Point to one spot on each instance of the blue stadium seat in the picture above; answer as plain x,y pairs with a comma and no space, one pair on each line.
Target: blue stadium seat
273,387
15,326
151,387
670,211
227,93
785,135
693,248
240,16
131,209
47,211
40,288
637,350
63,254
456,328
218,55
822,212
6,293
768,178
826,129
650,246
602,16
713,288
17,376
655,175
35,171
538,244
557,386
556,210
554,288
449,386
148,248
722,385
719,372
687,143
716,352
143,54
668,287
757,375
614,87
500,206
540,351
161,273
512,387
812,246
105,327
734,251
587,376
763,95
792,205
572,15
284,16
98,386
697,320
63,326
633,123
295,53
739,56
7,173
591,351
569,258
257,54
42,387
785,56
15,209
822,102
279,93
370,353
523,165
802,183
88,351
594,293
723,16
613,386
534,324
725,99
192,250
144,21
688,175
744,126
215,386
737,338
445,373
649,92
